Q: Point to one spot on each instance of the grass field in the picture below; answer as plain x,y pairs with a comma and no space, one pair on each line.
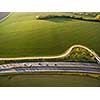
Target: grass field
22,35
48,80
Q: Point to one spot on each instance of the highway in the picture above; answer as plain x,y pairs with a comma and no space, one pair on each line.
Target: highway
50,66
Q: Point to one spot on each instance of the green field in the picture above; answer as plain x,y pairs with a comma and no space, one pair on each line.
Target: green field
48,80
22,35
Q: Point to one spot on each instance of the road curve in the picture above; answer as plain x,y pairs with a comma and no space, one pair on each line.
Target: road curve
3,14
59,56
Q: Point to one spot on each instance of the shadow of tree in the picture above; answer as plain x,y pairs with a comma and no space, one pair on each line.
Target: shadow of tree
59,20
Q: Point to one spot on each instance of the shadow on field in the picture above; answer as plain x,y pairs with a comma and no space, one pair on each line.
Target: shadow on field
59,20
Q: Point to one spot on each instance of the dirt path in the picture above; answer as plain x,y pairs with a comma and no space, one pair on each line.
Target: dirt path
59,56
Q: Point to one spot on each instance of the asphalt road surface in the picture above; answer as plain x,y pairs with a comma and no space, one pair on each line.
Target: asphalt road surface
50,66
3,14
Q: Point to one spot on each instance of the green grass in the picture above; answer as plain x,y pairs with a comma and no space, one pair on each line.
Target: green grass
22,35
48,80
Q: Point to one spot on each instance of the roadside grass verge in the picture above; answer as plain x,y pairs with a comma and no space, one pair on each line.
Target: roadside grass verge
54,79
94,75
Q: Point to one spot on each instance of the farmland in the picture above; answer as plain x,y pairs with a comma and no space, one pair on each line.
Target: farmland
22,35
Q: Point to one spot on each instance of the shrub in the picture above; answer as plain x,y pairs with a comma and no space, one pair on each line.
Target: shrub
37,17
98,17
